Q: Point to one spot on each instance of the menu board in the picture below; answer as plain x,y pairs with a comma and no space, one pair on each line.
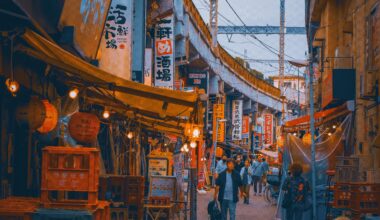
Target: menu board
163,186
158,166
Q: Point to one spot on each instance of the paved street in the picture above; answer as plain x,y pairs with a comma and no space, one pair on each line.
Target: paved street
257,209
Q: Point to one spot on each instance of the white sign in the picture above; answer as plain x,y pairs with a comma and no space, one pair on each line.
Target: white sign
164,50
148,66
237,119
116,44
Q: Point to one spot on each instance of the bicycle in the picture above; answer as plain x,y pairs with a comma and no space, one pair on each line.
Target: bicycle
272,189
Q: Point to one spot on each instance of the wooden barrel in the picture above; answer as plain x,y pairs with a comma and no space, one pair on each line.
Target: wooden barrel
84,127
31,115
51,118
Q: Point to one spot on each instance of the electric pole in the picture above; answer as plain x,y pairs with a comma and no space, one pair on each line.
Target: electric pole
214,21
281,54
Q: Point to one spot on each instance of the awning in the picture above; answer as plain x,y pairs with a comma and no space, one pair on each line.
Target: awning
155,103
319,117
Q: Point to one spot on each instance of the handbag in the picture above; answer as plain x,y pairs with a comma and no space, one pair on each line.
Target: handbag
214,211
286,201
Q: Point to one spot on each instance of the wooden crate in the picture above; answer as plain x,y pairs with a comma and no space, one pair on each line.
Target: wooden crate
119,214
342,196
113,186
69,176
346,174
366,198
18,208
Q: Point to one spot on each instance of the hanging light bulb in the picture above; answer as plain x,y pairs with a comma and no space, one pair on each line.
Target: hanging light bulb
184,146
12,85
73,93
196,132
334,126
186,150
182,149
106,114
295,134
193,144
130,135
329,134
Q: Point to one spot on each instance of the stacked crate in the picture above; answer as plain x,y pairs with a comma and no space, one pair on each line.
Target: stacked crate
347,169
135,196
17,208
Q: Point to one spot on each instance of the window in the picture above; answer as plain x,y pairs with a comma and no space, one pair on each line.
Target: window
287,84
373,40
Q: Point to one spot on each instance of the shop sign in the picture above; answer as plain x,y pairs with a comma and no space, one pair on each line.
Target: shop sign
158,167
237,119
218,113
148,66
268,129
245,128
116,43
163,186
197,80
164,51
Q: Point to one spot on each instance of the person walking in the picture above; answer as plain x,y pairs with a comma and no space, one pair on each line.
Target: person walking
246,178
239,164
265,168
296,189
256,179
220,166
226,191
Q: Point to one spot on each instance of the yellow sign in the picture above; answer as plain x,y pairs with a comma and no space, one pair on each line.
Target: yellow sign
218,113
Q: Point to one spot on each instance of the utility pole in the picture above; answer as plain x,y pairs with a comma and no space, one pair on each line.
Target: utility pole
282,54
214,22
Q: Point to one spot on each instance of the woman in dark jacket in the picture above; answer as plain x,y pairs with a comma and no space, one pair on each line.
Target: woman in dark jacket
296,189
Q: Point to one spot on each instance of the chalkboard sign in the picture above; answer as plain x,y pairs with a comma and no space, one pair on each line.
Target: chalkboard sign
163,186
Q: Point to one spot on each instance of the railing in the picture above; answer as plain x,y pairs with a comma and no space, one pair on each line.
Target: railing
226,58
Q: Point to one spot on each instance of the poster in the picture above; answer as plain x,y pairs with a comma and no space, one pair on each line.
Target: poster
268,129
158,166
148,59
163,186
218,113
237,119
245,128
164,53
198,80
116,43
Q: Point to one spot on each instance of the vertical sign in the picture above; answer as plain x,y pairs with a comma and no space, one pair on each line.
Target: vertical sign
218,113
237,119
268,129
164,50
148,66
116,43
245,128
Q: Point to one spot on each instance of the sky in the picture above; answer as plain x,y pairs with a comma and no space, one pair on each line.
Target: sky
261,13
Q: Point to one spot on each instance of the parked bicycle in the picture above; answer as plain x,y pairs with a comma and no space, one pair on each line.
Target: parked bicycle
272,188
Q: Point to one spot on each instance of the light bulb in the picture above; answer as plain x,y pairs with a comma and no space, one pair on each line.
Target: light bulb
185,146
182,149
106,114
196,132
295,134
73,93
329,134
130,135
334,126
193,144
186,150
12,85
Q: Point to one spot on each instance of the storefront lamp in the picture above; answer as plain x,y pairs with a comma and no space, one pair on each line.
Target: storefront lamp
196,132
106,114
193,144
130,135
12,85
73,93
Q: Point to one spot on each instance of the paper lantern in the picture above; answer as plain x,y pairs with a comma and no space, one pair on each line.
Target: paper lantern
306,139
84,127
31,115
51,118
219,152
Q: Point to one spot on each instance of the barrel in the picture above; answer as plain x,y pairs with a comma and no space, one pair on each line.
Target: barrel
84,127
51,119
32,114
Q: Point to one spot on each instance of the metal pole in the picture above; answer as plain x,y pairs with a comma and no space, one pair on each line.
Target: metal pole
214,153
312,129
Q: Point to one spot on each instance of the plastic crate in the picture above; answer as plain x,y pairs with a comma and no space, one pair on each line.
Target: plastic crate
18,208
119,214
70,175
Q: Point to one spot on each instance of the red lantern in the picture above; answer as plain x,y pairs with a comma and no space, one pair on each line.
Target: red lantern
84,127
51,118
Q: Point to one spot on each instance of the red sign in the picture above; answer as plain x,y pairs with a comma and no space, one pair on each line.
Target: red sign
164,47
268,129
245,128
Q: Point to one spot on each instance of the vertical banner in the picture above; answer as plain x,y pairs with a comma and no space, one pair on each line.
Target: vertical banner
164,50
268,129
237,119
116,44
218,113
245,128
148,66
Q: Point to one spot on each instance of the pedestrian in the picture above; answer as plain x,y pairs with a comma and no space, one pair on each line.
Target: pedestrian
296,190
257,177
239,164
227,187
221,166
246,178
265,169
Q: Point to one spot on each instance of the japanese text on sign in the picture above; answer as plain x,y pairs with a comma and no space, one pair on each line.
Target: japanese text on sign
164,43
218,113
268,129
237,119
245,128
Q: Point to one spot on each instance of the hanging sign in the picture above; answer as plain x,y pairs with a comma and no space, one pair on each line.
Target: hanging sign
197,80
116,43
148,66
218,113
158,166
245,128
164,50
268,129
237,119
163,186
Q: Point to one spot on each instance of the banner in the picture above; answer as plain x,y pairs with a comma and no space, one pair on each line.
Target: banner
148,66
245,128
164,50
197,80
268,129
218,113
237,119
116,43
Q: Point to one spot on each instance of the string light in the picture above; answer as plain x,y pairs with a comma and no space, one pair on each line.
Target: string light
295,134
186,150
329,134
196,132
106,114
334,126
130,135
193,144
12,85
73,93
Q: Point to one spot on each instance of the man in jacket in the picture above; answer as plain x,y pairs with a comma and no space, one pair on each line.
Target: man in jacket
226,190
